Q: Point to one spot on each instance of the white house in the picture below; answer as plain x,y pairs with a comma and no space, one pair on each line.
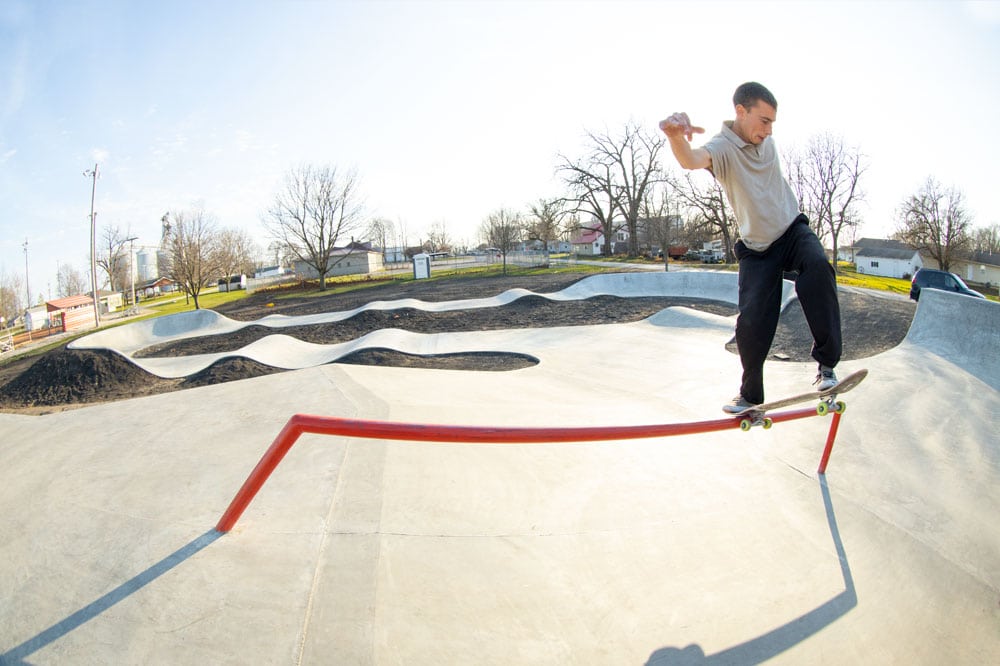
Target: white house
980,268
349,261
850,253
888,262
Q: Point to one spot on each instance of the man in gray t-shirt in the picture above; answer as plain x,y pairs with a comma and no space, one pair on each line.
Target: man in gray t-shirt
775,237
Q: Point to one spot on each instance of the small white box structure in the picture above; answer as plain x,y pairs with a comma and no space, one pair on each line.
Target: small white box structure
421,266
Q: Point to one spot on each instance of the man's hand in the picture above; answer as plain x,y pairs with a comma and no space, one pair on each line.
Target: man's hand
678,127
678,124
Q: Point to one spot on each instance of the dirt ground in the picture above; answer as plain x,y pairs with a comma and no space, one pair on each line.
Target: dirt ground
62,378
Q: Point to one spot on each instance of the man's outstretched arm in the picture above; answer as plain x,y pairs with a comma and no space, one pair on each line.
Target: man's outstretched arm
679,132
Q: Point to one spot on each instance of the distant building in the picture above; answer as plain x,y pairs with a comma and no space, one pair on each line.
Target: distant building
981,268
71,313
888,261
36,318
147,265
349,261
153,288
588,242
850,253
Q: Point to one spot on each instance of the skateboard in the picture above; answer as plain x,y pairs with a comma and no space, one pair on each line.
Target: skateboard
754,415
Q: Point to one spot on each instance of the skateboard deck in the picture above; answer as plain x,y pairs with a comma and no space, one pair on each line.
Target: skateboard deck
826,397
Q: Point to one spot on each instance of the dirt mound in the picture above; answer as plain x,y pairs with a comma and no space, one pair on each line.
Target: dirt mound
62,377
526,312
228,370
68,376
481,361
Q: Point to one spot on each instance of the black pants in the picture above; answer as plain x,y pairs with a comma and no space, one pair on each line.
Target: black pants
760,301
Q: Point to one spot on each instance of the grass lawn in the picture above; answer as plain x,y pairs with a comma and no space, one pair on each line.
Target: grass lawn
849,277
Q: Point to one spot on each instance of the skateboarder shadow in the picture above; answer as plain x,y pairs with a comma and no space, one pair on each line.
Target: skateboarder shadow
793,632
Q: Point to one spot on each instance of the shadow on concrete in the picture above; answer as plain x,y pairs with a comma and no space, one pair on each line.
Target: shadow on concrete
773,643
16,655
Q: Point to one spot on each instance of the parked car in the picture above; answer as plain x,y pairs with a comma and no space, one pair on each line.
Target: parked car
929,278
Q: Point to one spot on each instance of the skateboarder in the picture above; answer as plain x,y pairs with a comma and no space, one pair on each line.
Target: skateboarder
775,237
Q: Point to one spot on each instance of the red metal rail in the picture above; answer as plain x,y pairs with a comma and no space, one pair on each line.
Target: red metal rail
332,425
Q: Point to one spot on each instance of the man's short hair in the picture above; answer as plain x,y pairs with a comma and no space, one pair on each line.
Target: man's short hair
752,92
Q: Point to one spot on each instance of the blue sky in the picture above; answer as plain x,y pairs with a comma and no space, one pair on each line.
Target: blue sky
450,110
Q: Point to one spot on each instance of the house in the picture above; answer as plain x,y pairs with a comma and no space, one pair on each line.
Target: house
849,254
110,301
589,242
152,288
344,261
394,255
888,261
36,318
72,312
270,271
979,268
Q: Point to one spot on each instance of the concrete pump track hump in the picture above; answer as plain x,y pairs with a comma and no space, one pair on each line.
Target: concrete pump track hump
724,547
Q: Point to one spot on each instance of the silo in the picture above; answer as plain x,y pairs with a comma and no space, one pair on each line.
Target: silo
146,265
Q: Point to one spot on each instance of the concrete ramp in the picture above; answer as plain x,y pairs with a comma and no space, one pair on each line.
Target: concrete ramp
963,330
722,548
290,354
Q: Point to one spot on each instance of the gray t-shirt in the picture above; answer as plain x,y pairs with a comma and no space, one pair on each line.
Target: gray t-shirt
762,199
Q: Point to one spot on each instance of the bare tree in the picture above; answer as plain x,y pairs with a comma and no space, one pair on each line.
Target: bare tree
237,252
69,281
708,209
934,220
11,288
317,207
381,232
610,183
113,256
193,245
635,155
662,226
438,239
593,192
986,240
825,177
545,222
502,229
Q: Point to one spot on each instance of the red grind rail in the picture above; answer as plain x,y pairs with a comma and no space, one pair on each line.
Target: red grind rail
332,425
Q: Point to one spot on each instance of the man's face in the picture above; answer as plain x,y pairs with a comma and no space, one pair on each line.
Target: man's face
753,125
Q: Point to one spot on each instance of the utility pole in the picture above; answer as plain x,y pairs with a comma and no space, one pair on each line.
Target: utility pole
27,290
27,287
131,268
93,174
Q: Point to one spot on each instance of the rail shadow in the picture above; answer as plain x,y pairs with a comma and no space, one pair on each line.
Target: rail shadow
16,655
773,643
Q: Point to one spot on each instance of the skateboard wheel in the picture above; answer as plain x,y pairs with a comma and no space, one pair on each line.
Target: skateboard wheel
745,425
768,423
822,409
840,407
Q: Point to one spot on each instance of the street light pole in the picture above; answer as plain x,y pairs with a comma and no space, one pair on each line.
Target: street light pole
27,287
131,269
27,290
93,245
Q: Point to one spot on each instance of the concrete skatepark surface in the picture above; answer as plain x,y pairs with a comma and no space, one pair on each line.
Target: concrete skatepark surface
722,547
285,352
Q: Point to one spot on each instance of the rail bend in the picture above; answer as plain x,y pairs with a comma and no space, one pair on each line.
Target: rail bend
300,424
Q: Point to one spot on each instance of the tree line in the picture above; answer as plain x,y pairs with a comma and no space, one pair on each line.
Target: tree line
616,184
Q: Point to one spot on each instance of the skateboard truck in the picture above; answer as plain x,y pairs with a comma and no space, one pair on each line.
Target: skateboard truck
755,418
757,414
